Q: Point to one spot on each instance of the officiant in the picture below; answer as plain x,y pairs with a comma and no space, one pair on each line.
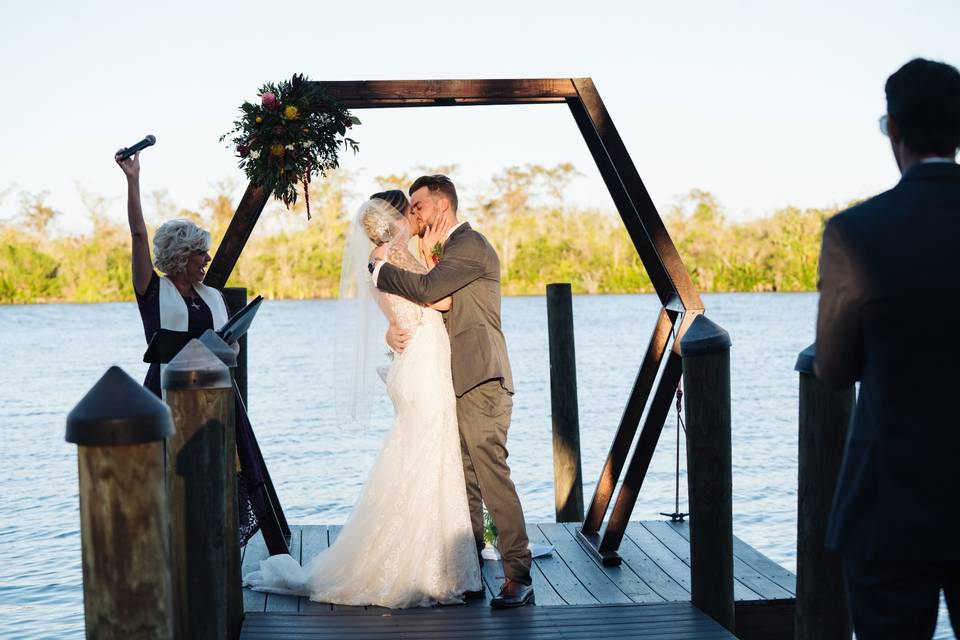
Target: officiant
178,300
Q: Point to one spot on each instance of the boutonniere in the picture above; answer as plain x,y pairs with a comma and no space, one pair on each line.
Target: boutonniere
436,253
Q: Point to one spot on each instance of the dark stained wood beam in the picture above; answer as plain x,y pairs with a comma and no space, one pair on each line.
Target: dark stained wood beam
421,93
642,203
655,268
627,430
235,239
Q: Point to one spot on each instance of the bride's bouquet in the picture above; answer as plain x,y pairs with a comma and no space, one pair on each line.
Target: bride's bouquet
290,137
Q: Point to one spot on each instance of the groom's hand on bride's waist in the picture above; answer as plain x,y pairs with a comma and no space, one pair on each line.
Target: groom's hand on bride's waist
397,338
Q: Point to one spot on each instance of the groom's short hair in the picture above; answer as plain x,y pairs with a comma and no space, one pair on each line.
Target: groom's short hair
923,97
437,184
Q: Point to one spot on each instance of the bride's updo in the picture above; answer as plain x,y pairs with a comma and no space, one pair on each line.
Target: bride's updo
382,216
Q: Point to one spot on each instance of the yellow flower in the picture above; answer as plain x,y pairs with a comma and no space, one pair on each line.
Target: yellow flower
277,150
290,112
259,119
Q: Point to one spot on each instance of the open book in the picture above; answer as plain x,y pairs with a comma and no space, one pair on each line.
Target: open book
166,344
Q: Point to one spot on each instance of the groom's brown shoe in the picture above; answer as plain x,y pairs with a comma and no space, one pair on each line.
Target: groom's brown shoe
513,594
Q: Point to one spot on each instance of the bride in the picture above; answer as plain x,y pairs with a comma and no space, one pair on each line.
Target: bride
408,541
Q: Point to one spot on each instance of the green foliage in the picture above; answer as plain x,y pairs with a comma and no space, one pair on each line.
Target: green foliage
521,210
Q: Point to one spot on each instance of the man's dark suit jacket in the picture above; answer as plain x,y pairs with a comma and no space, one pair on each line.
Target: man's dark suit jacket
470,272
889,290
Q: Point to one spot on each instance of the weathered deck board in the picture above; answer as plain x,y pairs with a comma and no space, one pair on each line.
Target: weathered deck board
315,539
756,560
661,621
563,580
276,601
601,584
253,552
576,595
635,559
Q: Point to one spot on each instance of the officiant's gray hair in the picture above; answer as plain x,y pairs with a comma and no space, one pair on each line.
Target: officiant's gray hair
173,243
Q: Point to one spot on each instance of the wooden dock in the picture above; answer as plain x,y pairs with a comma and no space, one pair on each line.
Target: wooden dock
648,595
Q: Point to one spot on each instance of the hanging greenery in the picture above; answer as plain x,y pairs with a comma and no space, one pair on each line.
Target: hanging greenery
294,134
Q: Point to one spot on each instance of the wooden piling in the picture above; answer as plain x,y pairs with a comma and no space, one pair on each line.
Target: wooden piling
567,472
119,428
231,524
705,349
825,414
199,391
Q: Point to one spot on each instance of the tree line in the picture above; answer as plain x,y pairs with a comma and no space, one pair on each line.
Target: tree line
539,237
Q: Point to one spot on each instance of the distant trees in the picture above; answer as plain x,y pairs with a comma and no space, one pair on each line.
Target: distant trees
521,209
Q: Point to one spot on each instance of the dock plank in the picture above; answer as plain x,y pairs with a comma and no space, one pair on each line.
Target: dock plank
761,563
314,540
748,584
681,548
280,602
555,571
659,553
664,621
625,578
254,551
638,561
546,595
596,581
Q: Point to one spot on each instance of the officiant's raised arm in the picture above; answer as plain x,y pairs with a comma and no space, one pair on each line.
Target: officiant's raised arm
452,273
142,264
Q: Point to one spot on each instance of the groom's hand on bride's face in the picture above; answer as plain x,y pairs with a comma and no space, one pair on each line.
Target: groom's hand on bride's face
397,338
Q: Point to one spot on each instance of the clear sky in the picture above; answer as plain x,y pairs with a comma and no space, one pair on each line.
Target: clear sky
763,103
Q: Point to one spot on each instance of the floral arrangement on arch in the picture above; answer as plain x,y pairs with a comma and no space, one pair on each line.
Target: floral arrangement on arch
290,137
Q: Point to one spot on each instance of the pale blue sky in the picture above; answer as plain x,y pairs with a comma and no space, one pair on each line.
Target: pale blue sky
763,103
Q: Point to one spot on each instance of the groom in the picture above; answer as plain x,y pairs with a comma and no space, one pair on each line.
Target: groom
469,270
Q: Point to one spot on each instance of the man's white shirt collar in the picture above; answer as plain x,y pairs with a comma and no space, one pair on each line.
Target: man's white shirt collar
450,233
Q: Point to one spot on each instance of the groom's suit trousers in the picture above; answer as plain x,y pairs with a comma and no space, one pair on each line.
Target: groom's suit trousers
484,416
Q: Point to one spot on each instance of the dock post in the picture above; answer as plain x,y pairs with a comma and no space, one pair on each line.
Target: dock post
119,428
231,535
705,349
567,472
198,389
824,419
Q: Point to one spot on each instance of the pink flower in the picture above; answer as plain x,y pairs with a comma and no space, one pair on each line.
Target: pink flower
268,100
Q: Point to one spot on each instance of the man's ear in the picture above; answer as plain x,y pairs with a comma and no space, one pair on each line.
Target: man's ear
893,129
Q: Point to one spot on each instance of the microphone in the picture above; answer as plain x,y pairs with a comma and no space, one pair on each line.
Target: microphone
126,152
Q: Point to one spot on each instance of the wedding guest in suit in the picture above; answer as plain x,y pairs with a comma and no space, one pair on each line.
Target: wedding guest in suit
889,289
180,301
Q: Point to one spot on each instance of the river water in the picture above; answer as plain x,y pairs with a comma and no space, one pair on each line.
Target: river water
52,354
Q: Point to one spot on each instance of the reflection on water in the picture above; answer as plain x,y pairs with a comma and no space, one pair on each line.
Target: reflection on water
54,353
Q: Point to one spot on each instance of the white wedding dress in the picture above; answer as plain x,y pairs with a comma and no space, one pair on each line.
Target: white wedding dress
408,541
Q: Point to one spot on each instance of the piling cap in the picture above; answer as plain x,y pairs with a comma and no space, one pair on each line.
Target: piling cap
704,336
219,347
805,359
118,410
196,367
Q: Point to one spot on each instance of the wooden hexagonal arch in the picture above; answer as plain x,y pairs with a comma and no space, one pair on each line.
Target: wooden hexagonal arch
660,370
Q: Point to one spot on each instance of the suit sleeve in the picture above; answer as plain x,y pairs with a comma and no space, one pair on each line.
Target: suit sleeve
838,360
456,270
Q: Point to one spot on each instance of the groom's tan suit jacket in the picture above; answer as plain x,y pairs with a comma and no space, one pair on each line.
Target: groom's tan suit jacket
470,272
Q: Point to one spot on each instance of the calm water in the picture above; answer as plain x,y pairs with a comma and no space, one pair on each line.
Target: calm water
53,354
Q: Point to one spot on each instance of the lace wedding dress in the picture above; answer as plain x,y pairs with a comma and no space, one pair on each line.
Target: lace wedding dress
408,541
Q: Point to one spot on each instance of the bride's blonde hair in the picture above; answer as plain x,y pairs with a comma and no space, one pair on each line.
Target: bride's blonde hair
380,220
